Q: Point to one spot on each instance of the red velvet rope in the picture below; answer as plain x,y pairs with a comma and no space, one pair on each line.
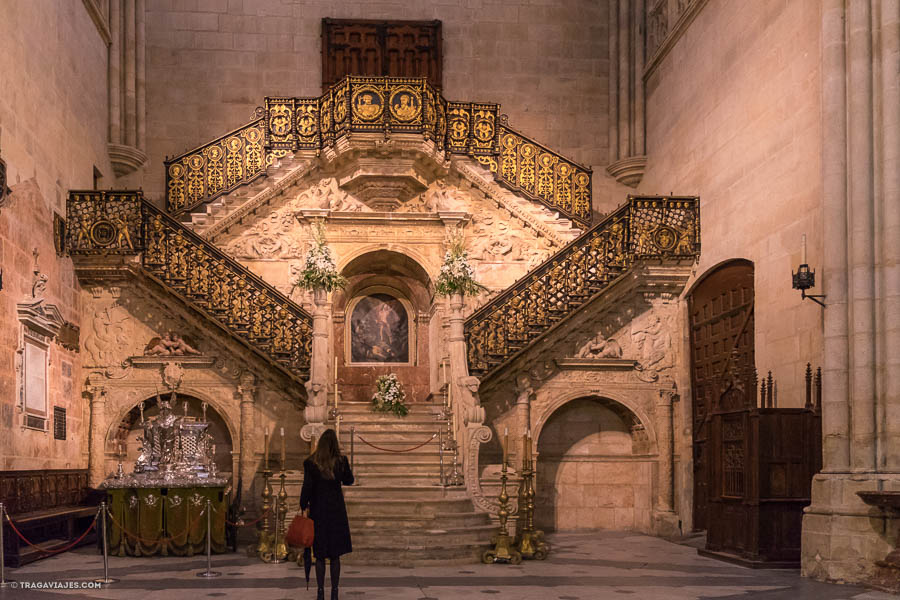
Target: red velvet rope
250,524
157,540
58,550
363,440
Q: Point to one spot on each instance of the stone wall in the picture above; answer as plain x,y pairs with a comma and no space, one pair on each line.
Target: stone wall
733,115
211,62
52,137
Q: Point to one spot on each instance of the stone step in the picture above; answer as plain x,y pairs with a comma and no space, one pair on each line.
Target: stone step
425,477
411,522
372,489
363,454
474,535
376,508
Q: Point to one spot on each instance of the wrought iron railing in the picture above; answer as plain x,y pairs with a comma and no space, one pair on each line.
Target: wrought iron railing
386,105
541,174
643,228
216,168
123,223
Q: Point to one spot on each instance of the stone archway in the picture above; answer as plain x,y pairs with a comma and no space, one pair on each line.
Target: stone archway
389,277
594,468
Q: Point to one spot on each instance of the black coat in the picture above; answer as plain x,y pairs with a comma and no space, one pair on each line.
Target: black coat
326,508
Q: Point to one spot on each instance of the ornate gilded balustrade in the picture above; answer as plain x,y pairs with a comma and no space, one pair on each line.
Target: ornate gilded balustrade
217,168
123,223
644,228
385,105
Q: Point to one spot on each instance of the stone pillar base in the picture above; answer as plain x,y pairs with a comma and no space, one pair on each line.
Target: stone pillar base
665,524
844,538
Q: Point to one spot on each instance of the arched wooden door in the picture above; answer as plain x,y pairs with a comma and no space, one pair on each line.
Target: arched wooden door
721,315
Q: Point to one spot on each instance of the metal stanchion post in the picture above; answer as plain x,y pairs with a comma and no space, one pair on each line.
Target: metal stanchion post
352,437
209,572
441,452
3,582
106,579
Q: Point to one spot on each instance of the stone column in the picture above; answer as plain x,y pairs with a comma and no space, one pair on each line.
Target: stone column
835,375
842,537
126,85
114,74
889,194
97,442
459,372
664,519
862,236
627,157
664,437
246,463
316,412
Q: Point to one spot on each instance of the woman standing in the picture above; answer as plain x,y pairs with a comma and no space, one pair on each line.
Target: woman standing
323,474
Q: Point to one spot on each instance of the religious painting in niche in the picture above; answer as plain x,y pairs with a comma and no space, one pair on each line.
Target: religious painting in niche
379,330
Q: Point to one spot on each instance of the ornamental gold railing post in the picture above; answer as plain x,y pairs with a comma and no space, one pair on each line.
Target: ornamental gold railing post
531,542
280,550
263,548
503,550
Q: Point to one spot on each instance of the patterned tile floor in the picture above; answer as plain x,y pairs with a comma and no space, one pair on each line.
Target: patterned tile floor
583,566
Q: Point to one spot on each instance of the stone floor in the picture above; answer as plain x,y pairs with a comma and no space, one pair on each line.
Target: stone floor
584,566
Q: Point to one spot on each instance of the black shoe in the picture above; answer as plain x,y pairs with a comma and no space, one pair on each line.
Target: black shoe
320,595
334,593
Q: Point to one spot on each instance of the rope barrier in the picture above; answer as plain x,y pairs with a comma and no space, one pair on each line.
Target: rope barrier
363,440
45,550
157,540
245,524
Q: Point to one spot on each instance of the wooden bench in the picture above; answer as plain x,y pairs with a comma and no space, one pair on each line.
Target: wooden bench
51,508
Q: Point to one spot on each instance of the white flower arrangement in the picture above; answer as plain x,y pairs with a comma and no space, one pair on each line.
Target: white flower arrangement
320,271
389,396
457,275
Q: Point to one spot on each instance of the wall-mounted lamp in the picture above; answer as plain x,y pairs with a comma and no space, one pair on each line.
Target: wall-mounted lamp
805,278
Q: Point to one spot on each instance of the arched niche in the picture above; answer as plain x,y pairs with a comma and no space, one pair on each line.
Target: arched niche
125,432
594,468
375,278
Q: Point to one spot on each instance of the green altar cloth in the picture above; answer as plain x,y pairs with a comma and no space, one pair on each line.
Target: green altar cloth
165,521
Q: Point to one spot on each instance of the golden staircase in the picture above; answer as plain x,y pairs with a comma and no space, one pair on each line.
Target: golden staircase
647,228
109,224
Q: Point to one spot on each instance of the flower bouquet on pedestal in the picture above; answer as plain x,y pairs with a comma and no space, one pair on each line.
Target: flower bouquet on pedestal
320,271
457,276
389,396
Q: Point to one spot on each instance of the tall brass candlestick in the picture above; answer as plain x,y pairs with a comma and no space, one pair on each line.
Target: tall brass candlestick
503,550
283,453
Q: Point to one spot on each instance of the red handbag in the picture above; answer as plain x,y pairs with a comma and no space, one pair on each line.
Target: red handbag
301,532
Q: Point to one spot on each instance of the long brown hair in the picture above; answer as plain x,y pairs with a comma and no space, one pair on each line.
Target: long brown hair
327,453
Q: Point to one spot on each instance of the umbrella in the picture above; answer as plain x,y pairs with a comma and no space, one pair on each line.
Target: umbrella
307,563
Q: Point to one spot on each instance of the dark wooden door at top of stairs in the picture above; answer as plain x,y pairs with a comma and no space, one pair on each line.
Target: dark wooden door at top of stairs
721,321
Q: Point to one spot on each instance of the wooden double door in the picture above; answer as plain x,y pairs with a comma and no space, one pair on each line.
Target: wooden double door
721,331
